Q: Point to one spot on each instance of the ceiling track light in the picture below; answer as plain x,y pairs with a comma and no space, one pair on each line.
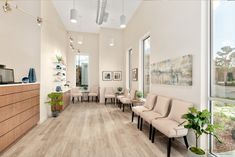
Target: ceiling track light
123,17
70,39
39,21
6,7
73,14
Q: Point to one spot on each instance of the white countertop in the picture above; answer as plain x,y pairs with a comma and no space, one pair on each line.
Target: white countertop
17,84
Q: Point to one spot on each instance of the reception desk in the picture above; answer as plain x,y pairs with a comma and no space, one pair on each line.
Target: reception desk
19,111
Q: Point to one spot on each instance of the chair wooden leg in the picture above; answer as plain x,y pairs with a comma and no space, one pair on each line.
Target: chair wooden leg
169,148
105,100
73,100
150,131
138,123
186,142
88,99
153,134
141,123
123,107
132,118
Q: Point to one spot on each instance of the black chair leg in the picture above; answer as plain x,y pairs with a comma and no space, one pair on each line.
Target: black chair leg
132,117
141,123
186,142
138,123
123,107
88,99
105,101
169,148
73,100
150,131
153,134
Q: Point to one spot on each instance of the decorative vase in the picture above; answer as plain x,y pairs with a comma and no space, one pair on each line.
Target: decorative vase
58,89
25,80
191,154
32,75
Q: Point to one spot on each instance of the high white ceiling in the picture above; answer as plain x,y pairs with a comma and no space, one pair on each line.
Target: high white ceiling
87,13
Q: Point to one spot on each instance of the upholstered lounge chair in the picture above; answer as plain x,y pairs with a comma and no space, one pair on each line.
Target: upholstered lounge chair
148,105
160,110
75,93
94,92
169,126
128,101
109,94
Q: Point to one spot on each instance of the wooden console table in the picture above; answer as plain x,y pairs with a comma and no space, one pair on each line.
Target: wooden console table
19,111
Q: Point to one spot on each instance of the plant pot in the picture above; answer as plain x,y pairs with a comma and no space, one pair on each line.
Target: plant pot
55,113
233,134
192,154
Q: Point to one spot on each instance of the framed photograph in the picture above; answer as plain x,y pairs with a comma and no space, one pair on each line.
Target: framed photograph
117,76
135,74
107,76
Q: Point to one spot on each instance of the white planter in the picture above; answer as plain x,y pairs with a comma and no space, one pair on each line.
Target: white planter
191,154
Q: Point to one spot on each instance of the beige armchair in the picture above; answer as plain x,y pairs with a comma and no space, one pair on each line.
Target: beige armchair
127,100
109,94
94,92
76,93
148,105
124,95
169,126
160,111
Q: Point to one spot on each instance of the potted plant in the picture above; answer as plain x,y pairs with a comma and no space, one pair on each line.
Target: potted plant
56,103
59,59
199,122
139,94
119,89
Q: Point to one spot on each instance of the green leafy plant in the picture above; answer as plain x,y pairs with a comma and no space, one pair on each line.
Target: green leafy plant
119,89
139,94
59,58
199,122
56,101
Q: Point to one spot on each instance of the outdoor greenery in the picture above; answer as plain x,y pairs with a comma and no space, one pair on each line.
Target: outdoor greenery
199,122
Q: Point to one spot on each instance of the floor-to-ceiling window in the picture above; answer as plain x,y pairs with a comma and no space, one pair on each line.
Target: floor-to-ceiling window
146,66
82,64
130,68
222,80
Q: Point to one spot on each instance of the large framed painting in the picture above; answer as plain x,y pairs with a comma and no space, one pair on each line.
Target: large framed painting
117,76
135,74
173,71
107,76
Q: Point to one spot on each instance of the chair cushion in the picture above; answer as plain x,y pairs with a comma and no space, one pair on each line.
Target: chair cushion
150,101
169,127
148,116
109,96
179,108
125,100
120,96
76,94
162,105
138,109
93,94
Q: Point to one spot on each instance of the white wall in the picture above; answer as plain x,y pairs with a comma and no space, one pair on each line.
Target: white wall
53,42
175,28
111,58
89,47
20,39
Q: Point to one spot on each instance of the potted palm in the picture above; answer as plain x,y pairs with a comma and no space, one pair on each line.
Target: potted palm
56,102
199,122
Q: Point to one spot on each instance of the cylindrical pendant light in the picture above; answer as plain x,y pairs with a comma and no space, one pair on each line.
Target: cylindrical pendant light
122,21
122,17
73,14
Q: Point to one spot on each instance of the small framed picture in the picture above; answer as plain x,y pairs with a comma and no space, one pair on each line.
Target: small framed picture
107,76
117,76
135,74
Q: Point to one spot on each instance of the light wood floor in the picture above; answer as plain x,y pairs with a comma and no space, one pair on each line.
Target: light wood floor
92,130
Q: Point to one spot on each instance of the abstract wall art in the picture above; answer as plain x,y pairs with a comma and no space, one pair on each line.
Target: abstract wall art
173,71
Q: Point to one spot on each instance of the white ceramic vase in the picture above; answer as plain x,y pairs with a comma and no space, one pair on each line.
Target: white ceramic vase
191,154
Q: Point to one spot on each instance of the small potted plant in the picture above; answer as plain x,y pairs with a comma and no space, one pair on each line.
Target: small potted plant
199,122
139,94
59,59
119,89
56,103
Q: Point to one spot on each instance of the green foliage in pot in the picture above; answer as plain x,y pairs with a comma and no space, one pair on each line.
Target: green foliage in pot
139,94
59,58
56,100
199,122
119,89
